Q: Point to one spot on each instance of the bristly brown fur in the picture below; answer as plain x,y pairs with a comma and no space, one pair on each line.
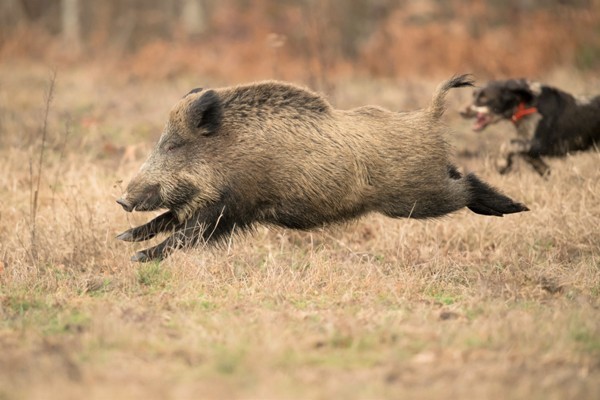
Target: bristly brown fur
276,153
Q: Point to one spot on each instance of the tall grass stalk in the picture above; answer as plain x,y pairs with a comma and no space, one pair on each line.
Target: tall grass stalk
35,189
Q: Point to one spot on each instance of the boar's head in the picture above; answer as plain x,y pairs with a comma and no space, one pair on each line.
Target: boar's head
180,173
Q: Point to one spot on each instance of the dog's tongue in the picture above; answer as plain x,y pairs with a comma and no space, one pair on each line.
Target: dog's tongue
482,120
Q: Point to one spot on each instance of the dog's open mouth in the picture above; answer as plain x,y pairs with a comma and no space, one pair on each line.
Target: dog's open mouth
481,121
482,115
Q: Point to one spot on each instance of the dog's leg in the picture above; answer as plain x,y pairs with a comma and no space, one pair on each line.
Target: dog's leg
524,149
538,164
504,164
508,151
533,156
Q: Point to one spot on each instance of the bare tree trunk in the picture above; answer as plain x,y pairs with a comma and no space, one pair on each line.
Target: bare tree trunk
11,15
71,24
193,17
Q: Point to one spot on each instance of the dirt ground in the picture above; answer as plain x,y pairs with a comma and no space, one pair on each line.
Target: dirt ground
465,306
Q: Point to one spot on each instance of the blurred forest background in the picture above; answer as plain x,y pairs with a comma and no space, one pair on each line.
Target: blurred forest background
311,40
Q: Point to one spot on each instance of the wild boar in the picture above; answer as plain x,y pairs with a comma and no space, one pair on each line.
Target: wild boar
278,154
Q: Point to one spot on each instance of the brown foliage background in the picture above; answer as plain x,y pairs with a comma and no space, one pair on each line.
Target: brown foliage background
310,40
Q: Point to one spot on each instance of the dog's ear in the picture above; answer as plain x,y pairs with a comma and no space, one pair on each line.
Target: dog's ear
523,89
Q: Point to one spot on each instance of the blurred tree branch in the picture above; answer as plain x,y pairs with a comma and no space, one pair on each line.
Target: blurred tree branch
193,17
71,25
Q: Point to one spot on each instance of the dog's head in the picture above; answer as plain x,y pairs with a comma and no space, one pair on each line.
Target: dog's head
501,100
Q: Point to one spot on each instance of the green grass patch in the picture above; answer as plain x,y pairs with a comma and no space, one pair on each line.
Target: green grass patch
153,275
229,360
474,313
70,321
29,311
444,297
478,342
20,304
197,304
587,339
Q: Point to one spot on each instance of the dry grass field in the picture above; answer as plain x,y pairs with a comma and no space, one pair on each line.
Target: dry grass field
461,307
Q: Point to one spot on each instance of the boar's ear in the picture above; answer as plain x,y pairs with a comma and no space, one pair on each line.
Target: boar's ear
196,90
205,113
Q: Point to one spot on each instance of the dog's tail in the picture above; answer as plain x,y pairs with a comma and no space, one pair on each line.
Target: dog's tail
438,104
485,200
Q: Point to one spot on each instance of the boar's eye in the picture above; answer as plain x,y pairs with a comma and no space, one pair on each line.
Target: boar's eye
170,146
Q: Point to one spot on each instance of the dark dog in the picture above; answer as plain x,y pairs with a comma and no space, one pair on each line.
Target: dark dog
549,122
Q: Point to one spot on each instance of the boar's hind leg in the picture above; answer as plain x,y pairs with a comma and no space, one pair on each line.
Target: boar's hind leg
208,226
486,200
163,223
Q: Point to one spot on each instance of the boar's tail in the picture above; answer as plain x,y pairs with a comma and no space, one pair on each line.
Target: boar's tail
438,104
486,200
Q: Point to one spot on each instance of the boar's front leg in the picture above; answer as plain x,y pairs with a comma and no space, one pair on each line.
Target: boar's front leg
163,223
208,226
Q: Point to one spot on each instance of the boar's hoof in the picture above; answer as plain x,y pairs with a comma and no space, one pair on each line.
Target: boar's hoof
126,236
140,256
126,206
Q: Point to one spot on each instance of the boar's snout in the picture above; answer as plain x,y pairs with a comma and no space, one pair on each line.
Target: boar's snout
144,198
